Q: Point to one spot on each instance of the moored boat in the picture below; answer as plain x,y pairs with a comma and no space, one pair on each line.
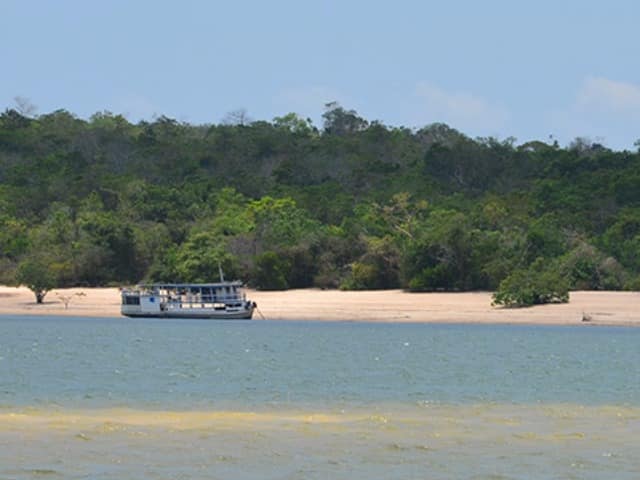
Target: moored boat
222,300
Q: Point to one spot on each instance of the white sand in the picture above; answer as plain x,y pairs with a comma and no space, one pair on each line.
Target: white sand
603,308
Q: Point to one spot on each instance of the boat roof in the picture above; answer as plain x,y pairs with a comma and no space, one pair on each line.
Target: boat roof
235,283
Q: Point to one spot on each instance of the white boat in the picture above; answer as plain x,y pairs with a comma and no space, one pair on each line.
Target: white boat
223,300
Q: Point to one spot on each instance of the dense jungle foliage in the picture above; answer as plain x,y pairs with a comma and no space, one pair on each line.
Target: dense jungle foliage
284,204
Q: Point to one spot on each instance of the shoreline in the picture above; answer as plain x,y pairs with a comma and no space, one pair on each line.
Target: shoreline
377,306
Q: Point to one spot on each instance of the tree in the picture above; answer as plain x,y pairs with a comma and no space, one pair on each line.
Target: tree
377,268
279,222
622,239
338,121
231,216
105,249
587,268
441,257
24,106
13,236
544,239
238,117
295,124
36,274
201,256
272,271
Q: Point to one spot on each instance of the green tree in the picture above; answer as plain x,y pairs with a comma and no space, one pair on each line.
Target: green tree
279,222
37,275
377,268
544,239
272,271
441,257
338,121
231,215
622,239
201,256
13,237
295,124
587,268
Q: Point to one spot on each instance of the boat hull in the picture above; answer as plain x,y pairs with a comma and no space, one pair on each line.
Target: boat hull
208,315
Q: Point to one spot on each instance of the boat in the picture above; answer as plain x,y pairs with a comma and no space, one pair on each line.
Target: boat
222,300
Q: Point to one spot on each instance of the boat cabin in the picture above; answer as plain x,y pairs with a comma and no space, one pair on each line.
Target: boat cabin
210,300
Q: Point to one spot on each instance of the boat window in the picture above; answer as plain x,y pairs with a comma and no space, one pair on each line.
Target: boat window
127,300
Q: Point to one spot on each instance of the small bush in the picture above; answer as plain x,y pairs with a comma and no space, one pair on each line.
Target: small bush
540,283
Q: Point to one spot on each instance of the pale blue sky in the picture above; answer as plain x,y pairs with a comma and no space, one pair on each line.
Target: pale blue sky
491,67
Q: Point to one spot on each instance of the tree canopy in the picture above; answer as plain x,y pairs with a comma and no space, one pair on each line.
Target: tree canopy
284,204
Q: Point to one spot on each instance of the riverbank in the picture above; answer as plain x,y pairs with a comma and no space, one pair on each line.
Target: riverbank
597,308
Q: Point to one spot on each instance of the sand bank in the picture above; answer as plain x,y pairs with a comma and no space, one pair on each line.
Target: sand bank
601,308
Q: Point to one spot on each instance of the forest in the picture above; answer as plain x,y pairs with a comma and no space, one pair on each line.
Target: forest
353,204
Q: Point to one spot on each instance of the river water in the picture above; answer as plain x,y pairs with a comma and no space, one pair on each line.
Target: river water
88,398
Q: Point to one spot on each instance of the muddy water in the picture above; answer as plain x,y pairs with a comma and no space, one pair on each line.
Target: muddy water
116,398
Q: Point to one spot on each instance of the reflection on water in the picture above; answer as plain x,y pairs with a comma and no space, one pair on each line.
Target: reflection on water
122,399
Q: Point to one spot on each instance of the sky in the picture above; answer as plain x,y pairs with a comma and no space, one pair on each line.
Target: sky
533,70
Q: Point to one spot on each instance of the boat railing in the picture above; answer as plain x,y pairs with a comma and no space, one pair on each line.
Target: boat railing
226,298
237,297
171,296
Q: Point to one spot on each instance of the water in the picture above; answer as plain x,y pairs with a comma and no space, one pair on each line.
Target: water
127,399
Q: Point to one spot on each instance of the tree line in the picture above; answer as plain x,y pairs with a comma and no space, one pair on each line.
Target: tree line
354,204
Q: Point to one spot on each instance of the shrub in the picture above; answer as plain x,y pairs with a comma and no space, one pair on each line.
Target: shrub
633,284
363,276
587,268
540,283
434,278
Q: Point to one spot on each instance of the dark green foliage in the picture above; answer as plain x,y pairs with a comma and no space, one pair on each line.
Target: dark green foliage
272,271
541,283
13,237
363,277
377,268
586,268
442,256
544,239
303,266
38,275
284,204
200,258
622,239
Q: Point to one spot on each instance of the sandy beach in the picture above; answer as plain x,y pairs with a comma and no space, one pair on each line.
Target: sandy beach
600,308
